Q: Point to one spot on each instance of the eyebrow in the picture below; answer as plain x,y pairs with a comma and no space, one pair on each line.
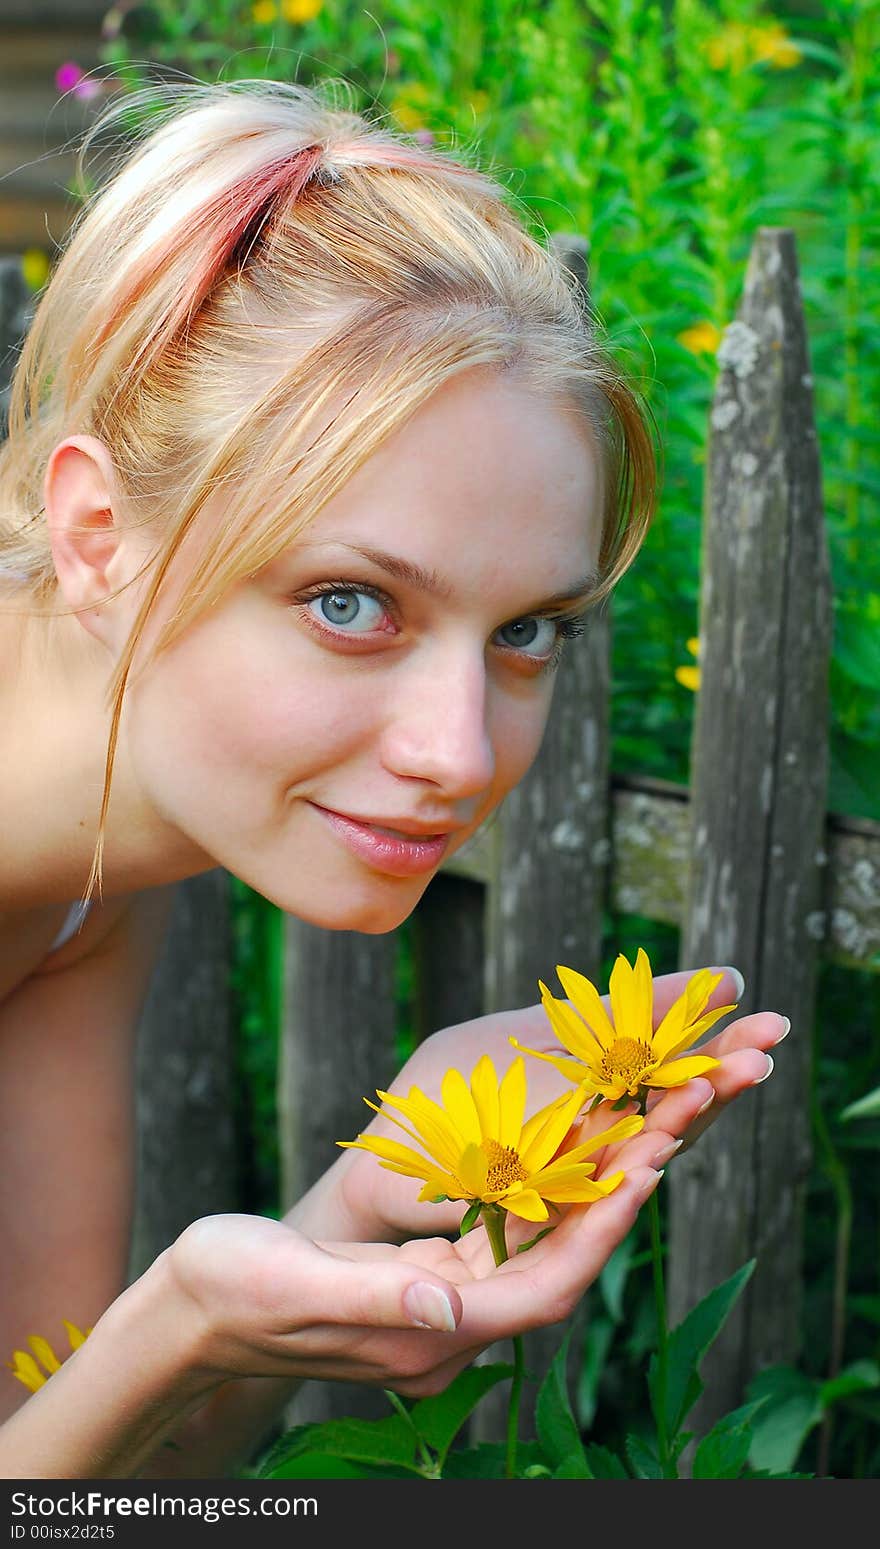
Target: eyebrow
429,581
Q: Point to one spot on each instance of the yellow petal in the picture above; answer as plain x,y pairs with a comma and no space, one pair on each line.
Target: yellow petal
473,1169
569,1028
633,1124
484,1090
574,1187
77,1336
511,1105
392,1153
631,991
587,1003
697,1029
27,1370
528,1205
460,1107
44,1352
434,1128
548,1128
572,1070
681,1071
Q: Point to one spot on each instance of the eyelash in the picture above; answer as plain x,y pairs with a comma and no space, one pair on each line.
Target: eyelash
567,626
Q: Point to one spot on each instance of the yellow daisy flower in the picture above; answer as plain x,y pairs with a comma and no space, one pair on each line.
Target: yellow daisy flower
480,1150
27,1369
35,267
301,10
771,45
689,677
702,339
621,1056
264,12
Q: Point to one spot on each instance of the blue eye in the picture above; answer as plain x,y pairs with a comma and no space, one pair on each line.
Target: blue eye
340,608
522,633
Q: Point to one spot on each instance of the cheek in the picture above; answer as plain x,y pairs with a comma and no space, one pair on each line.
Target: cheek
517,734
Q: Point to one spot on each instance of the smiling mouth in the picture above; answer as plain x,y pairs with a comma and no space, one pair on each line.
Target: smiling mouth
393,852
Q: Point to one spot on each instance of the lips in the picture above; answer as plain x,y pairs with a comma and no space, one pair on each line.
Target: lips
401,851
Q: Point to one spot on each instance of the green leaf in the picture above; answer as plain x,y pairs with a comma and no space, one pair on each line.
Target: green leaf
867,1107
438,1419
323,1465
524,1246
557,1429
470,1217
791,1411
688,1344
597,1343
644,1461
387,1441
604,1464
574,1466
723,1453
488,1460
860,1377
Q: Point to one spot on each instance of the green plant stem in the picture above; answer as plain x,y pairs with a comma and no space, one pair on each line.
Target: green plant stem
494,1220
662,1336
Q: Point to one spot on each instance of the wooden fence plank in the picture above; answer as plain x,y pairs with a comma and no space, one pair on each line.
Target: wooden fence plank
338,1045
187,1141
546,902
759,784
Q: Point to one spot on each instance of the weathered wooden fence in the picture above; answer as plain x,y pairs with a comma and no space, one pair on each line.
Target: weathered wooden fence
747,862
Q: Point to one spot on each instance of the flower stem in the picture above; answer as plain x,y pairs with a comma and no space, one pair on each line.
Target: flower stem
494,1221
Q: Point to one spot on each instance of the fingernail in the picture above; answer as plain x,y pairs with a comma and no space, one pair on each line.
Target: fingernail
428,1307
785,1032
767,1072
739,982
709,1100
648,1188
667,1152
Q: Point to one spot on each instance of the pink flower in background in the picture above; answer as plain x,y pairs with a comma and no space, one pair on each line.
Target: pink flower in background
424,137
72,77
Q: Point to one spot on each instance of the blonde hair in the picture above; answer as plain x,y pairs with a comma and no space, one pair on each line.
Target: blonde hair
263,258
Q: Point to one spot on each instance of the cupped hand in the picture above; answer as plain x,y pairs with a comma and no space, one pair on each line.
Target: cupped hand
388,1202
270,1302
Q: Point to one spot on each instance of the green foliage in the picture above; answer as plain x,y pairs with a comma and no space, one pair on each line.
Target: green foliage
668,134
419,1440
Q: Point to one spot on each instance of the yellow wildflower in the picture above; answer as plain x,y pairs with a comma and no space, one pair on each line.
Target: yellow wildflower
35,267
301,10
771,45
621,1056
26,1368
264,12
689,677
479,1150
702,338
410,106
729,48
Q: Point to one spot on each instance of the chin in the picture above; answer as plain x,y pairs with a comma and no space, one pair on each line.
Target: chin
364,910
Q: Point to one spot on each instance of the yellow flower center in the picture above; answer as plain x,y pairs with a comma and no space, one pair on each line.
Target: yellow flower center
505,1166
627,1060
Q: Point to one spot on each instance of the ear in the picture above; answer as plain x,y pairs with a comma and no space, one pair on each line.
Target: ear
91,554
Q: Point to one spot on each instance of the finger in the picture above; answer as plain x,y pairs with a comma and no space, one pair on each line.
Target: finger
759,1030
384,1293
543,1285
737,1073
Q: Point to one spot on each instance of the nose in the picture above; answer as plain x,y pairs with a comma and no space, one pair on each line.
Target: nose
437,727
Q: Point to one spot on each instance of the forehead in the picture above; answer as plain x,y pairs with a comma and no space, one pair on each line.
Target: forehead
488,479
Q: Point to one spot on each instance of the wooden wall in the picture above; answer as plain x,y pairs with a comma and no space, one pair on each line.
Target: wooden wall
37,124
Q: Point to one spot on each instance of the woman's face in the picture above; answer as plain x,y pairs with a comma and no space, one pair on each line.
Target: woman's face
339,693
